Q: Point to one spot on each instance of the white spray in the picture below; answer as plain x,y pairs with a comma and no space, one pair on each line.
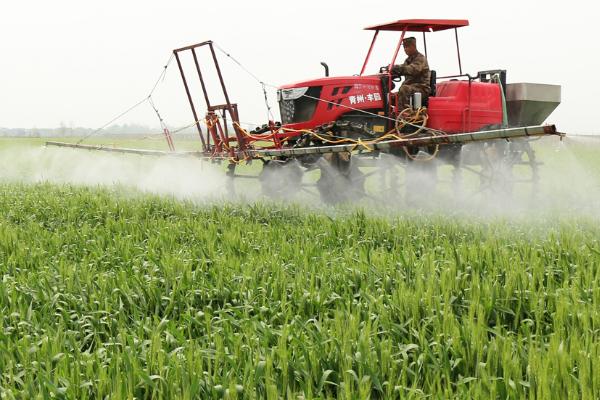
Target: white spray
569,180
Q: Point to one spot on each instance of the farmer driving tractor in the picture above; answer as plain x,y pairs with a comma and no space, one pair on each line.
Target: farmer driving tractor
415,70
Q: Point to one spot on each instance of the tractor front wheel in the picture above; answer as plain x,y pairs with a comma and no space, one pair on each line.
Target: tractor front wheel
341,180
281,179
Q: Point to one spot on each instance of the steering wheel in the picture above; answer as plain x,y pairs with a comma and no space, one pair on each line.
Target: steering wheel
386,69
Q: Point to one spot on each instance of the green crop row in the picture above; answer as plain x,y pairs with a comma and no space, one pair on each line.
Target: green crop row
107,295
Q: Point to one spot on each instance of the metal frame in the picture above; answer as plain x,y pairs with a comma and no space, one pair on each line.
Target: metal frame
217,138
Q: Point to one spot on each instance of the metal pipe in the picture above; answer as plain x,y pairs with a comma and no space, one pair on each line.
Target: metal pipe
390,106
218,68
239,136
324,64
169,138
457,76
201,78
125,150
362,71
192,46
189,96
224,116
211,122
425,44
397,49
458,51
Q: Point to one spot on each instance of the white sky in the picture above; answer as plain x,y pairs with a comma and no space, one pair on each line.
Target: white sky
80,63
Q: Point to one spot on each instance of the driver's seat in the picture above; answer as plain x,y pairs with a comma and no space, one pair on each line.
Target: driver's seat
432,82
432,85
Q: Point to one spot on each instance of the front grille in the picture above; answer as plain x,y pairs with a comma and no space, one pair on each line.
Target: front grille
286,107
301,109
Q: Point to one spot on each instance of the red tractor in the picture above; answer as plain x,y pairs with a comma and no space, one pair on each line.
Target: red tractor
333,110
351,127
365,107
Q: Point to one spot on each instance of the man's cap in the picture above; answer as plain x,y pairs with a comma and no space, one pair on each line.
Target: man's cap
409,41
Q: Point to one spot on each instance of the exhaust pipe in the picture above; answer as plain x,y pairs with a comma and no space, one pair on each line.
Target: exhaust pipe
324,64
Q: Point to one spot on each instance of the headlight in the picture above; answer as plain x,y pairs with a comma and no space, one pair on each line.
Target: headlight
292,94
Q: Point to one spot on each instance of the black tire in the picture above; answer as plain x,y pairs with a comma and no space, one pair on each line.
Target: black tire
281,179
498,160
341,180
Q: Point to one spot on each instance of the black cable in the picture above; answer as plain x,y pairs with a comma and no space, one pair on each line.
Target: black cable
260,81
161,78
162,75
113,120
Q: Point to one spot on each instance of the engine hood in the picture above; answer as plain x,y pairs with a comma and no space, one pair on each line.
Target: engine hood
335,80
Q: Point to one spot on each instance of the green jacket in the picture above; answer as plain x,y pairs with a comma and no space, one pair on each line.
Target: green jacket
415,70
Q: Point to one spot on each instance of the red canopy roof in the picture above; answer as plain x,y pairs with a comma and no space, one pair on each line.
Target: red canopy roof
420,25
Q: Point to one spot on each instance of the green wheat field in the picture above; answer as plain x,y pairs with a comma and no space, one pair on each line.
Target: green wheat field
108,293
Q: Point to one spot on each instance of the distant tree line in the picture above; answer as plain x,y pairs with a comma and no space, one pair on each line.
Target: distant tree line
65,131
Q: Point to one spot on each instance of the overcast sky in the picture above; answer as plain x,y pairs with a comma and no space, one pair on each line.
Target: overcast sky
79,63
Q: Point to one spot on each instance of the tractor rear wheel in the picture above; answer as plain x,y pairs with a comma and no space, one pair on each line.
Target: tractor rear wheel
502,166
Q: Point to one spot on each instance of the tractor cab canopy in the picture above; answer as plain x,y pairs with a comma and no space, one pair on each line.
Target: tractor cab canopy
415,25
419,25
